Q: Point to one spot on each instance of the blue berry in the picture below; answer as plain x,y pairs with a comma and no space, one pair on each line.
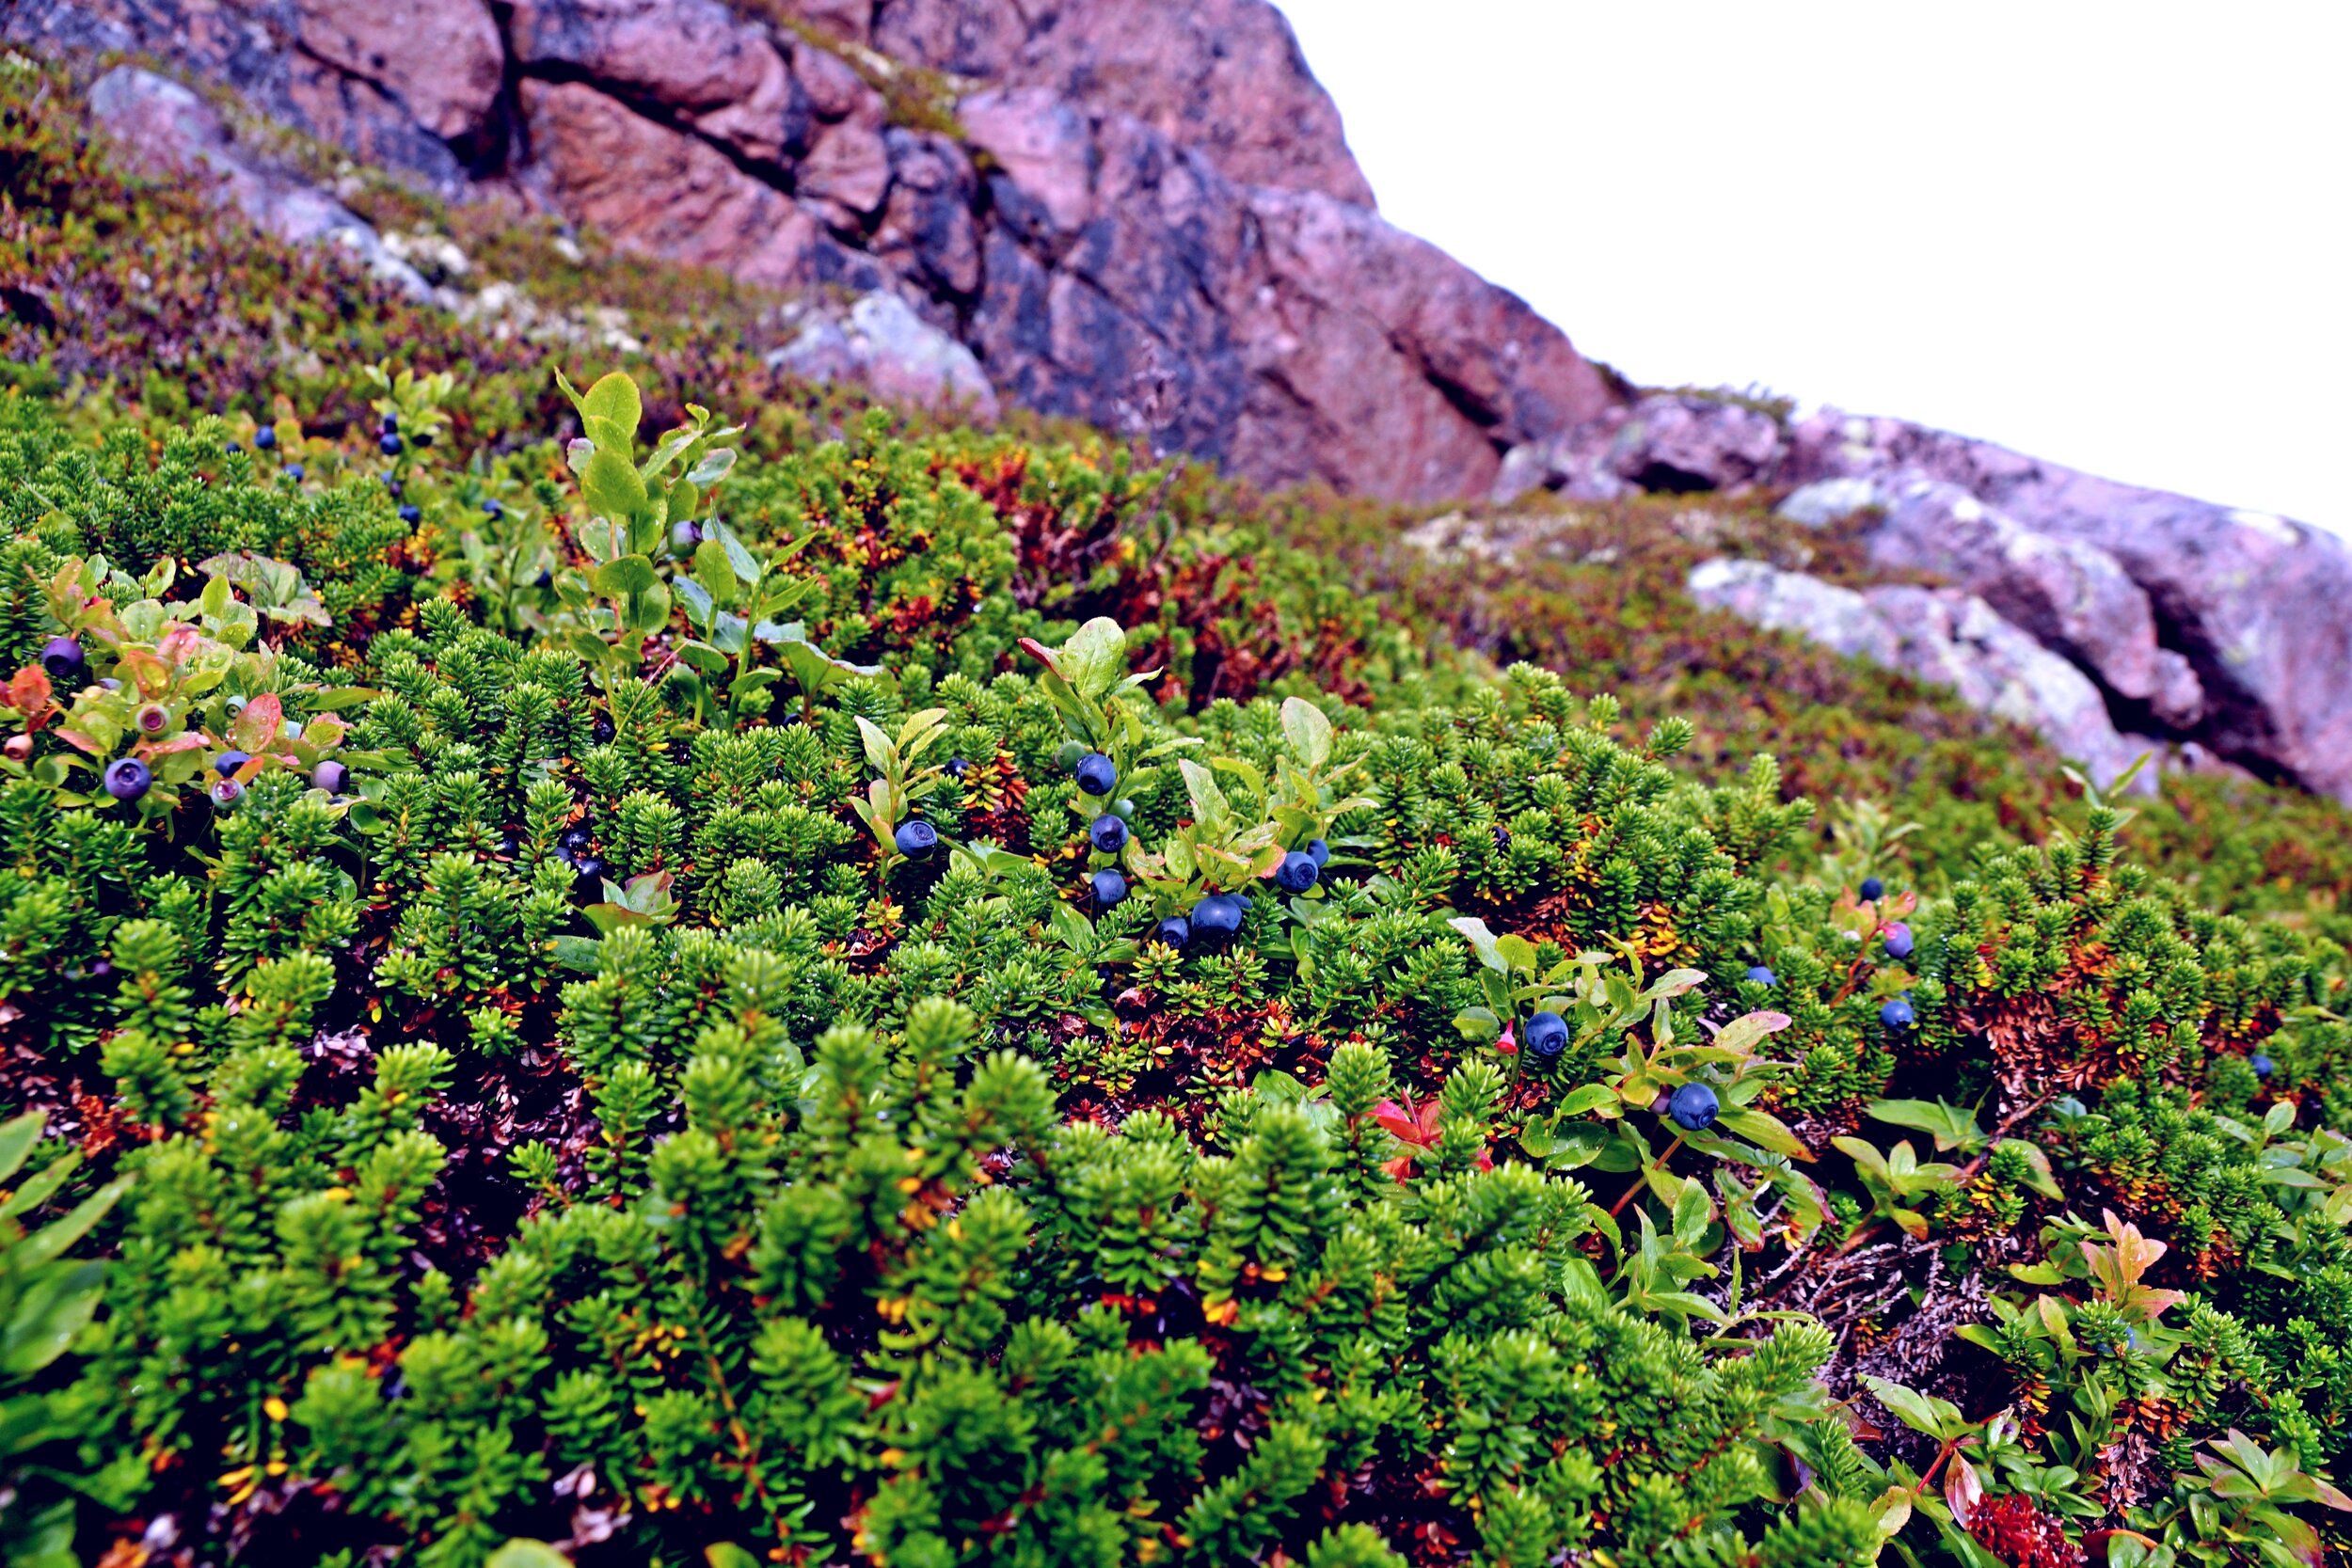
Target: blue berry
128,778
1217,915
916,840
1872,890
1898,1014
1109,833
411,515
1110,888
1298,872
1175,930
588,874
1899,941
490,509
330,776
232,449
389,444
1693,1107
544,579
2264,1066
391,424
684,537
1547,1036
294,470
958,768
394,486
1763,976
266,438
573,840
1095,773
1320,853
228,762
63,658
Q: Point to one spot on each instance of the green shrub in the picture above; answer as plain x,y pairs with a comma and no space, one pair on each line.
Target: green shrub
632,1054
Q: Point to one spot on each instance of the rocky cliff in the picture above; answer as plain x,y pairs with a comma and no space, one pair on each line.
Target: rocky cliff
1138,214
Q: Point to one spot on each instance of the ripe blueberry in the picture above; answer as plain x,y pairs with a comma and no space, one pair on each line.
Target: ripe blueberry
267,438
394,486
1110,887
1175,930
1872,890
330,776
544,579
958,768
916,840
1109,833
1898,1014
294,470
391,424
411,515
63,658
2264,1066
232,449
1693,1107
489,508
1320,853
389,444
127,778
1217,915
1298,872
1899,941
1547,1036
1095,773
1763,976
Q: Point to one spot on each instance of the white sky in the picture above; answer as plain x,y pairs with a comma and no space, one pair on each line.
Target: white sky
2115,236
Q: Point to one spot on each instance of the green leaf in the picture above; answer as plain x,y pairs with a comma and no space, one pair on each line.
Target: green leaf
17,1138
629,575
1094,658
1482,942
1308,730
1765,1131
611,412
48,1316
612,487
538,1554
1742,1033
716,572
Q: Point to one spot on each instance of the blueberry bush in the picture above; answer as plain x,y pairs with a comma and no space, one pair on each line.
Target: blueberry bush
697,993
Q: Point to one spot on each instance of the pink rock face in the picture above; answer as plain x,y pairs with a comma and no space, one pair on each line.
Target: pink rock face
441,61
602,161
695,57
1145,216
1222,76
